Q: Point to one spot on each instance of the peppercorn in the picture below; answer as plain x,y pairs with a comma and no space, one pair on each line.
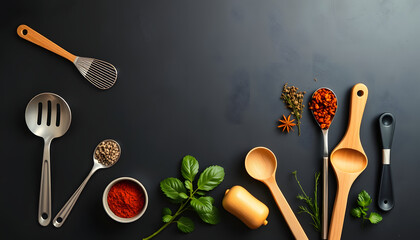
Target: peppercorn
107,152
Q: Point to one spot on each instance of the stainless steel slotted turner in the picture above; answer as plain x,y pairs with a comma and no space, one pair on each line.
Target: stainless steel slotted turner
48,116
101,74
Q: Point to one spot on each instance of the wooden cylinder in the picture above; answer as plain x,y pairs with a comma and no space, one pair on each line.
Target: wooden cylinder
239,202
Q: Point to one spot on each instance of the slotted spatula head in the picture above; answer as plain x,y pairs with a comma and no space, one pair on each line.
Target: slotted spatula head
101,74
48,115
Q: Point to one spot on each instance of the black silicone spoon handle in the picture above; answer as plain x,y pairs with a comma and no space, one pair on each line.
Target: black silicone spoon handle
386,194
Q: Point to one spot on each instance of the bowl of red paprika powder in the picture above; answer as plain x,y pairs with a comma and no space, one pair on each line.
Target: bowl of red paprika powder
125,199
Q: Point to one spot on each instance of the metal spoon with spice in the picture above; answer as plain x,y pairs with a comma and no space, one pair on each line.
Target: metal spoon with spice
323,105
106,154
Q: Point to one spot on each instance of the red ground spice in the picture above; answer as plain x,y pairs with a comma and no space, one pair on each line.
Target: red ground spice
324,105
126,199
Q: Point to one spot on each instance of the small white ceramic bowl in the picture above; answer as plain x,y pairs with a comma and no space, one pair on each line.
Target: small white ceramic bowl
109,211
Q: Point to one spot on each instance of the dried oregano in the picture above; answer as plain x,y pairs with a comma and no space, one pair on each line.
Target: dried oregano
293,100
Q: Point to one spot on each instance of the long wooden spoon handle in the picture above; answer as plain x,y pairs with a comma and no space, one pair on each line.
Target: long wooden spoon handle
339,211
287,212
359,95
33,36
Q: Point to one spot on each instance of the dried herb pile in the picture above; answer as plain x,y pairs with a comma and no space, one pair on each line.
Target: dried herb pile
293,98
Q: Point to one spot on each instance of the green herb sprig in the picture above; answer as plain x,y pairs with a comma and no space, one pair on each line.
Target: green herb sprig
364,200
191,198
312,207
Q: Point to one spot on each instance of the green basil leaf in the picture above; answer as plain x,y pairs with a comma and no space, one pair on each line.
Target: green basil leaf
188,185
210,178
166,218
172,187
189,167
355,212
201,193
183,195
211,217
185,224
363,199
364,211
166,211
375,217
202,204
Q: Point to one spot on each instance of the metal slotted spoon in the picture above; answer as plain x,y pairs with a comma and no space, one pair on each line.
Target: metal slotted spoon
48,116
101,74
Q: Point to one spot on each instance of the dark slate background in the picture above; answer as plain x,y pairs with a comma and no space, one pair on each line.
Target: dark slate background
204,78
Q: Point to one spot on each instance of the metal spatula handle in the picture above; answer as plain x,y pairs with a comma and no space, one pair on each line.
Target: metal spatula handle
325,162
33,36
65,211
44,208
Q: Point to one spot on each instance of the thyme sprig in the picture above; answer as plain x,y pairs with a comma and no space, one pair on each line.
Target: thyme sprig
312,207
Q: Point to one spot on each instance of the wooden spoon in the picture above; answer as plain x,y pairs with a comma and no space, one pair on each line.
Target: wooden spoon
348,159
261,164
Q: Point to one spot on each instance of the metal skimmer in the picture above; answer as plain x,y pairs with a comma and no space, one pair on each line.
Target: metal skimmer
48,116
101,74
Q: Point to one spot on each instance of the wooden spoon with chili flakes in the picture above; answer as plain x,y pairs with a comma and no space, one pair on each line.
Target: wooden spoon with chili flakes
323,106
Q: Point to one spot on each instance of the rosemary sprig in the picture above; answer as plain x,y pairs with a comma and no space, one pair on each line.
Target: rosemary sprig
312,208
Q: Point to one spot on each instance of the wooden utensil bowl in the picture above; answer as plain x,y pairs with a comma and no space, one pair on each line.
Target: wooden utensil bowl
261,164
349,160
261,169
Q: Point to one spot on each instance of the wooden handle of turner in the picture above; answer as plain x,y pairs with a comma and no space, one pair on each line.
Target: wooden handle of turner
339,210
33,36
286,211
358,98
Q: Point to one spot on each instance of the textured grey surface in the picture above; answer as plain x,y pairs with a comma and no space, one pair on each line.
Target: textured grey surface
204,78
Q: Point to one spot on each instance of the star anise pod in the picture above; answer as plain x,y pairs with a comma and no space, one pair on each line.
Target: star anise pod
286,123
